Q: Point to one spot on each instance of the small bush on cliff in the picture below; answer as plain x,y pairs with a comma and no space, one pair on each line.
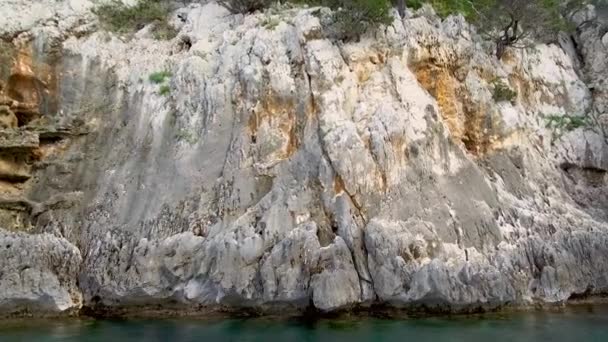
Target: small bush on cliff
159,76
503,92
246,6
566,122
446,7
561,124
164,90
352,18
117,17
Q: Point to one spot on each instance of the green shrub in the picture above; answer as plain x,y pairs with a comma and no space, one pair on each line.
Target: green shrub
446,7
503,92
118,17
245,6
349,20
159,76
352,18
164,90
561,124
566,122
511,23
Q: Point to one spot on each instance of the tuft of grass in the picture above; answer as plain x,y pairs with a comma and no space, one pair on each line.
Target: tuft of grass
159,76
164,90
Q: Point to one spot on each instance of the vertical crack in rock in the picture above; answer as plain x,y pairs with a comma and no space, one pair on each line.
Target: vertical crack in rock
360,265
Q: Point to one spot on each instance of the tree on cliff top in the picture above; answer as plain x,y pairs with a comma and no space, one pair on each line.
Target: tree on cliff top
509,23
512,23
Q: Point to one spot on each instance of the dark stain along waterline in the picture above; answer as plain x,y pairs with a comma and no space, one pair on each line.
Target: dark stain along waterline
585,323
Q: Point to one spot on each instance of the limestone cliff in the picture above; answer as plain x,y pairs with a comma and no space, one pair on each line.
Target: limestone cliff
276,169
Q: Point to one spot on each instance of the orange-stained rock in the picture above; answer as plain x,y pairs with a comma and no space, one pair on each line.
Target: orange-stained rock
26,86
443,86
272,126
8,119
469,121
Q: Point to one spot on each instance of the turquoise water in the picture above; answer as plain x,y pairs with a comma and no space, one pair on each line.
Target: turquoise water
580,325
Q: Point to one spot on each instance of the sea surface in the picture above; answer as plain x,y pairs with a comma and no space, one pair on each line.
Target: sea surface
580,324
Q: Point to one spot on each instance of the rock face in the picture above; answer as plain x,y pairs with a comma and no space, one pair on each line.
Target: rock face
285,170
38,274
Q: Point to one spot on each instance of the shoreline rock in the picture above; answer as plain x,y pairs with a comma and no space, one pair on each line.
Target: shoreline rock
282,169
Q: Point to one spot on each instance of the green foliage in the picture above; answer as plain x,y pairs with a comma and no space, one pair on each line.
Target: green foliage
159,76
510,22
118,17
448,7
164,90
245,6
556,10
349,20
502,92
560,124
352,18
416,4
444,8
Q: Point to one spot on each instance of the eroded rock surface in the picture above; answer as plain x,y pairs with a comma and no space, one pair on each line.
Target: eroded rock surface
284,170
38,275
